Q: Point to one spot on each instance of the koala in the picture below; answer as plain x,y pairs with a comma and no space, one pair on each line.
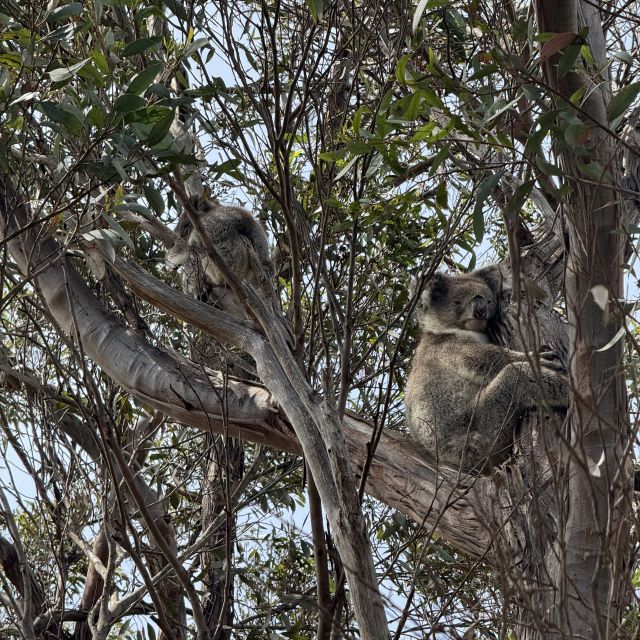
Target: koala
236,234
465,395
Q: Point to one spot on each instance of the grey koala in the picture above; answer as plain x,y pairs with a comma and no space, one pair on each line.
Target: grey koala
464,395
235,234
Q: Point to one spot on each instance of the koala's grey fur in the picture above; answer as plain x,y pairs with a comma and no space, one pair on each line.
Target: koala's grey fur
236,234
464,395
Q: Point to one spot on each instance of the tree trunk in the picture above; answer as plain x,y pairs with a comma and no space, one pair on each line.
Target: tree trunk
564,549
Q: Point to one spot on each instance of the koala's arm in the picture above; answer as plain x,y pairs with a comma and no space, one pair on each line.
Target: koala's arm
519,387
497,407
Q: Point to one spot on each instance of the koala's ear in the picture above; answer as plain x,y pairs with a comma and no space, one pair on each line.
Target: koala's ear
202,201
492,276
437,286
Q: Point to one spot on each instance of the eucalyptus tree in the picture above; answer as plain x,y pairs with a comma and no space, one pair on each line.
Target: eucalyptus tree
374,142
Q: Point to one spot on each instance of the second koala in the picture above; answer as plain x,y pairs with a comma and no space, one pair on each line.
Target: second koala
235,233
464,395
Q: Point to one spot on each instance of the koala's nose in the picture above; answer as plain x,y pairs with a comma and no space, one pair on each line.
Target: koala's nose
480,308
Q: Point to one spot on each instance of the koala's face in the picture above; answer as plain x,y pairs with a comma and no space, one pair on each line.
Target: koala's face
456,302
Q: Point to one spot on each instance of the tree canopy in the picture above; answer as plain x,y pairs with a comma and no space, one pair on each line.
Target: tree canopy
174,471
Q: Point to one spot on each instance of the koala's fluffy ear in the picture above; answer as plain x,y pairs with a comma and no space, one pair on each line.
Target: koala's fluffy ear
492,276
437,285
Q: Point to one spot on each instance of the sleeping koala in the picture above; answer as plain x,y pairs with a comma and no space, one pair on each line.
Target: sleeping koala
239,239
464,395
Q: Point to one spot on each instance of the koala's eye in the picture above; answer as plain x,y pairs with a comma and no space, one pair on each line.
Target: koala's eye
457,302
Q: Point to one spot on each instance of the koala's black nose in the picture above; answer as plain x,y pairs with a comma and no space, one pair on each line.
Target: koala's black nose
480,308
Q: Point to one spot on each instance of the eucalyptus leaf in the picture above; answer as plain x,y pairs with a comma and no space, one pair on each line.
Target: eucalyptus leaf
622,100
67,11
161,128
143,80
483,191
140,46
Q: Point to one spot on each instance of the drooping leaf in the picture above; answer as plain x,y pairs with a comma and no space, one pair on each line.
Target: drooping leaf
64,116
483,191
121,234
161,128
520,195
140,46
66,73
417,16
25,97
67,11
316,8
568,59
129,102
558,42
332,156
155,199
622,100
141,82
577,134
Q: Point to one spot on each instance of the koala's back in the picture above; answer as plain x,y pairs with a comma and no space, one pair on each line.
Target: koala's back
231,230
236,235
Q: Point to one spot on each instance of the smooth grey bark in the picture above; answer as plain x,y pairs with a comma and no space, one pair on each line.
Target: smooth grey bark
584,551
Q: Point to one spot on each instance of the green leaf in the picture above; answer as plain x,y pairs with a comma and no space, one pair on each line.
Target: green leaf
576,134
623,56
417,16
141,82
622,100
96,117
195,45
63,116
316,7
105,239
359,148
161,128
67,11
332,156
128,102
578,95
347,167
100,61
357,118
482,193
516,203
25,97
66,73
568,59
520,29
230,167
120,233
587,54
613,340
401,69
140,46
155,199
442,195
440,157
593,170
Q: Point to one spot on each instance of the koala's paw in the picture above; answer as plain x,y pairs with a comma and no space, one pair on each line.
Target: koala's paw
550,360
